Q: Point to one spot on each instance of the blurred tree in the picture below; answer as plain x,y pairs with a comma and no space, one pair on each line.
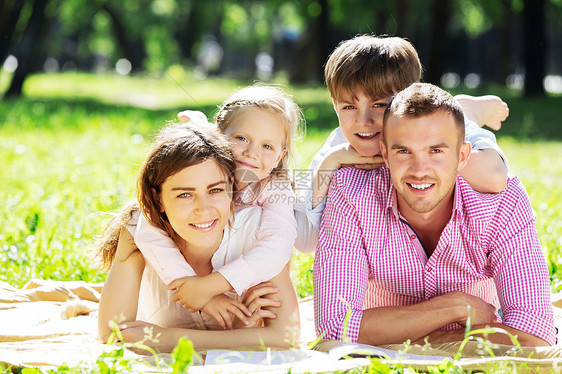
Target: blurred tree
534,42
441,11
29,51
129,39
9,15
313,45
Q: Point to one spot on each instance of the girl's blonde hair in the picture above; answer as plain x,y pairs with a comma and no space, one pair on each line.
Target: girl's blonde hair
277,103
176,147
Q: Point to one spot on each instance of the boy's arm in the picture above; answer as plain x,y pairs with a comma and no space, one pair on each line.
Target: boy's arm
485,171
489,110
340,156
487,167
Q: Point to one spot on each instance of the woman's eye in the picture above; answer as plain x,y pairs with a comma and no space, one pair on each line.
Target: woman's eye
241,138
216,190
267,146
184,195
402,152
348,107
380,105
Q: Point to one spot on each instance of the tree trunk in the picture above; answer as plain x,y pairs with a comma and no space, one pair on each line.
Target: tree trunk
133,50
188,31
403,18
312,49
505,45
30,47
441,10
534,44
8,21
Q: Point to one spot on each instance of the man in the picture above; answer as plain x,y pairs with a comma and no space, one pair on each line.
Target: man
412,251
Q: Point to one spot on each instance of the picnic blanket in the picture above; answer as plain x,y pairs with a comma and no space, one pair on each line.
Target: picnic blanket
49,323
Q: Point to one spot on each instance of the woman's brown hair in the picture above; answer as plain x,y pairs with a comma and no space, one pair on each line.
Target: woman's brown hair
176,147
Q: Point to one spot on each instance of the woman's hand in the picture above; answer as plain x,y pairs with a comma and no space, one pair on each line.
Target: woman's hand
255,300
139,331
225,309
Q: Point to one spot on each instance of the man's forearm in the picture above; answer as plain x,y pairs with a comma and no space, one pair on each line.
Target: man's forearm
395,325
525,339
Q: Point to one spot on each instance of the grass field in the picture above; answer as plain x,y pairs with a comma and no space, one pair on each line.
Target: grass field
71,148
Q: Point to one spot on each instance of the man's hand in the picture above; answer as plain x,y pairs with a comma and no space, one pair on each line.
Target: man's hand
225,309
470,308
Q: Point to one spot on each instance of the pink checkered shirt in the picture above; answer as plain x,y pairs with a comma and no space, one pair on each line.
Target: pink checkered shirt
368,256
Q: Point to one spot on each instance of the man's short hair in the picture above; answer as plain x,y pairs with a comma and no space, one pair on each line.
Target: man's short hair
380,66
423,99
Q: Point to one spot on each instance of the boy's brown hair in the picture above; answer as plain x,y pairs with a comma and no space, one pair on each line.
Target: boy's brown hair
381,66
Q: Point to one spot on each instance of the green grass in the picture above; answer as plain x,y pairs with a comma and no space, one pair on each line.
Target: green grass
70,150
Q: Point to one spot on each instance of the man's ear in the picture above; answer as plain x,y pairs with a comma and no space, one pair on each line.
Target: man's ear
384,154
464,155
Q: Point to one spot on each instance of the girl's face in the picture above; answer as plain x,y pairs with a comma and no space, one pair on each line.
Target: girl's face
197,202
257,140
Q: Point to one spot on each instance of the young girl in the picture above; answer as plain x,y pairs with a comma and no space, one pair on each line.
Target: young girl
261,123
184,184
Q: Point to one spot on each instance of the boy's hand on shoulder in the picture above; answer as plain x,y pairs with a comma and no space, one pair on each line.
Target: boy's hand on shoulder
345,155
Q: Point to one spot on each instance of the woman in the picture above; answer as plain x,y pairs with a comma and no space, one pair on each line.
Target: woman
185,189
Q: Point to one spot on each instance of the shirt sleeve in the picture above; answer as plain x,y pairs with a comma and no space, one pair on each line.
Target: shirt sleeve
160,251
341,271
480,138
308,218
308,223
521,274
275,241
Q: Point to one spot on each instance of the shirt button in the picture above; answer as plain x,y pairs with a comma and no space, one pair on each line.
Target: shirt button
413,237
429,270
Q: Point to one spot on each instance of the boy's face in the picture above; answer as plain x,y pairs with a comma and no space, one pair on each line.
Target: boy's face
360,118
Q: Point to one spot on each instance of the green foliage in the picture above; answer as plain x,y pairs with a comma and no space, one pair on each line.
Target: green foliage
183,355
70,153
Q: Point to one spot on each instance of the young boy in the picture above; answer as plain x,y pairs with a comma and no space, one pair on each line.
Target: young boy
362,75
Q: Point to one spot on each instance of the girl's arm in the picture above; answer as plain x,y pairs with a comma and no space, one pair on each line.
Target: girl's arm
160,252
120,293
281,332
274,242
